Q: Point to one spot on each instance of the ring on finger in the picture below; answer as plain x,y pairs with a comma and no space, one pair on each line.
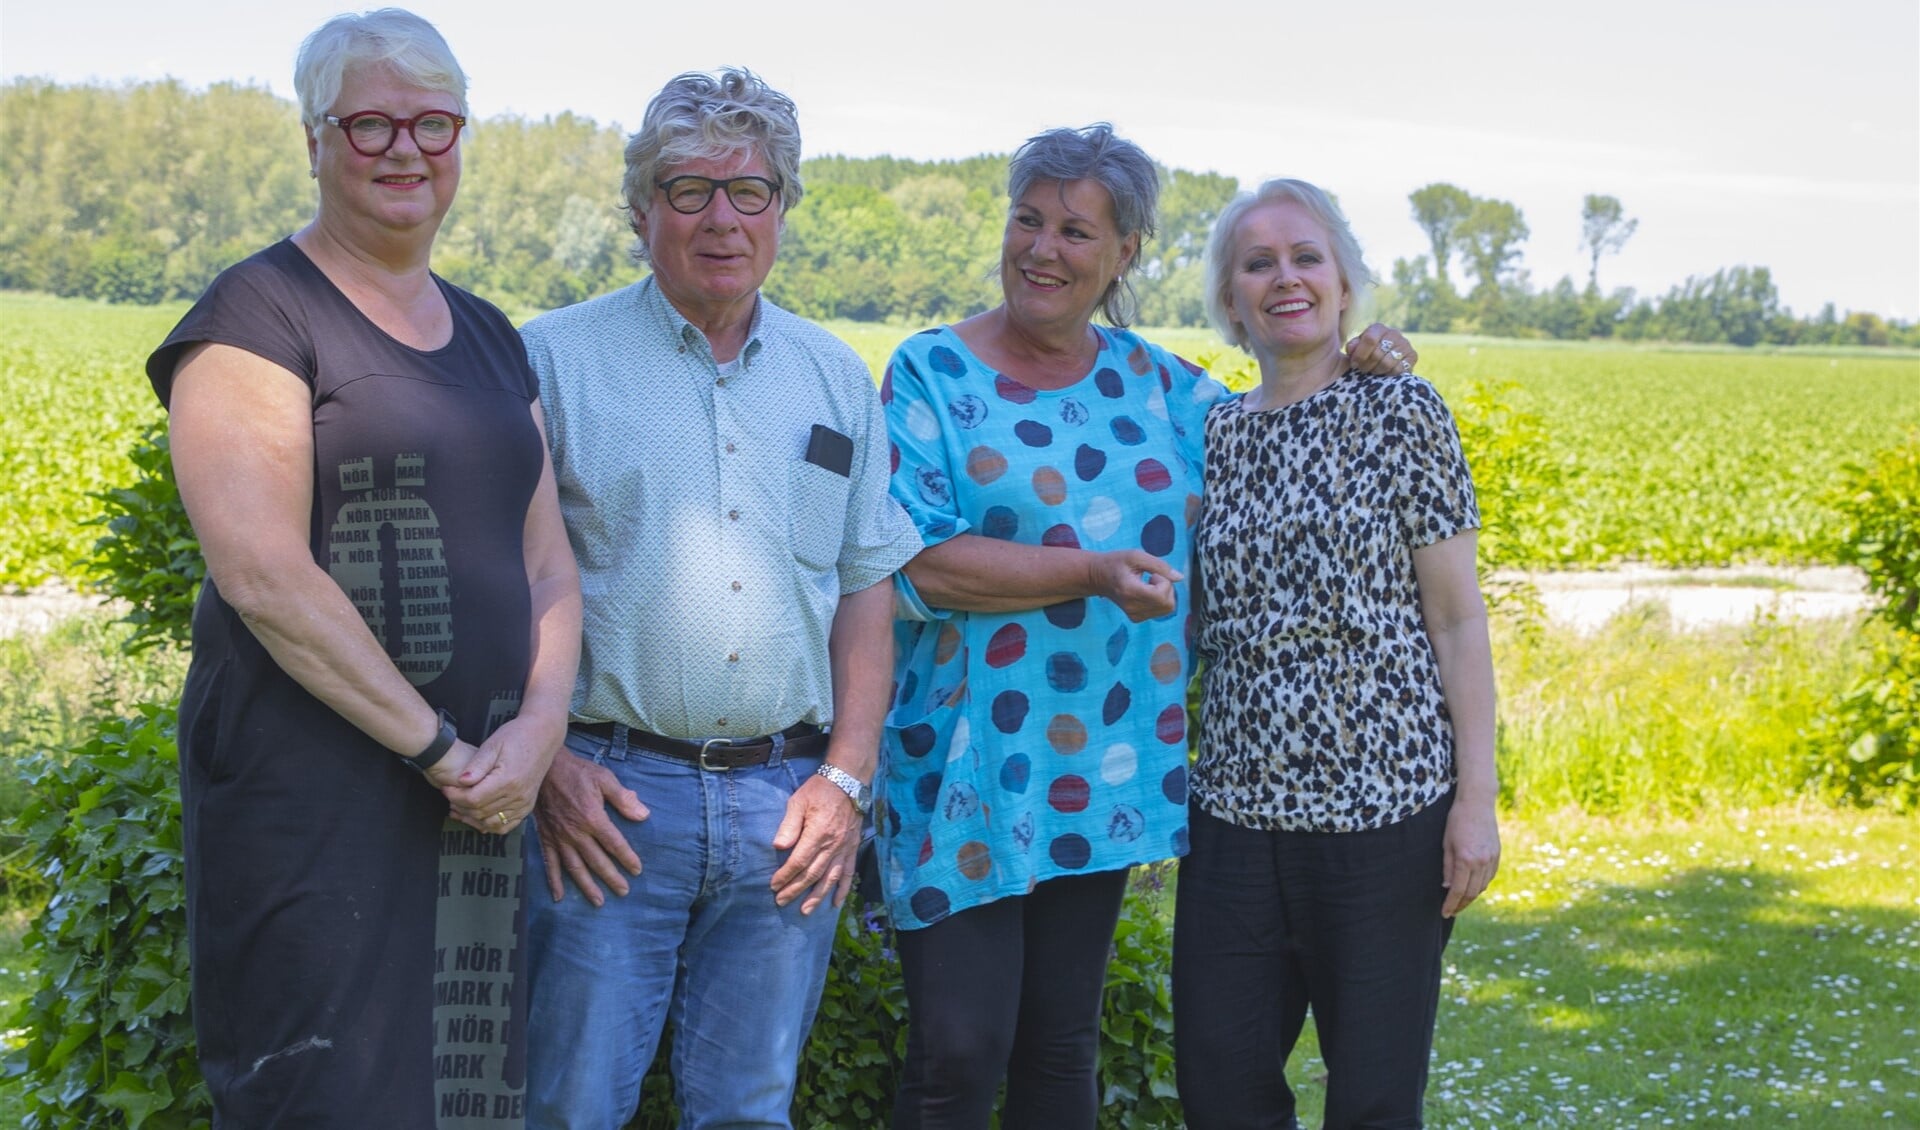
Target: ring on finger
1406,366
502,817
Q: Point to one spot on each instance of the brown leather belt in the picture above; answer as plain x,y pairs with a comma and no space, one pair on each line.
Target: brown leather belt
802,739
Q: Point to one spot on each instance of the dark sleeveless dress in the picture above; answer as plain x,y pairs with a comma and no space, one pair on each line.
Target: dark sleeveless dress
345,973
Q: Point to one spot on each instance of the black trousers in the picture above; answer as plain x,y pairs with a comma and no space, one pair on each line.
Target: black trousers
1270,924
1010,990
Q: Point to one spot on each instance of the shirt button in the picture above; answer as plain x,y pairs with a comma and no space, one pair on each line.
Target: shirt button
736,586
734,515
733,657
729,449
721,381
721,722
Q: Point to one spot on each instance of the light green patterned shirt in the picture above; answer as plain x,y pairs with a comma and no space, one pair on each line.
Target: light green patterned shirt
712,554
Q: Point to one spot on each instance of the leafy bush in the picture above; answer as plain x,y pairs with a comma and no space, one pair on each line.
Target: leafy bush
55,688
1136,1025
111,1043
1516,480
1880,505
149,556
852,1062
1868,748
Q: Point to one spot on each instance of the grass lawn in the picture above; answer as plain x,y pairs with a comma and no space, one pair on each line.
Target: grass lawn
1756,969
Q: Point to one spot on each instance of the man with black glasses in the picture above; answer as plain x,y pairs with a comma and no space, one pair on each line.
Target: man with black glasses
722,467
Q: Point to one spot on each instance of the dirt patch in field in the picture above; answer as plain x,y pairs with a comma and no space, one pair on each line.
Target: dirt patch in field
1583,600
1698,598
36,610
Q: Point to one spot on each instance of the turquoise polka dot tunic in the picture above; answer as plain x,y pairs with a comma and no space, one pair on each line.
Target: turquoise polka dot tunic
1026,745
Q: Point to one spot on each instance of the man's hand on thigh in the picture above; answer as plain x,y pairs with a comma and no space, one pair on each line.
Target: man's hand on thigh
577,837
822,829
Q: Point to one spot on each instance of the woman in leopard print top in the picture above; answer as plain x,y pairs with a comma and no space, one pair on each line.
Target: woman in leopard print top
1343,800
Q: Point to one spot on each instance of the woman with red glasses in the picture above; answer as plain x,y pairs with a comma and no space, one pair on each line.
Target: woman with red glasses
388,633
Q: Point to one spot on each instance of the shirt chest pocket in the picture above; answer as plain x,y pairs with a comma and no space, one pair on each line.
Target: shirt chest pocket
816,514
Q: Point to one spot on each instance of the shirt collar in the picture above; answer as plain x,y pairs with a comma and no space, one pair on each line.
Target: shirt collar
685,336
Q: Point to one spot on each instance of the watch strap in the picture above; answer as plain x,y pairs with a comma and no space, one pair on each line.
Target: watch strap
438,747
857,790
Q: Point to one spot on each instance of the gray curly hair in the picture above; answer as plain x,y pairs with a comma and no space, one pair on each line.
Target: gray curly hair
698,115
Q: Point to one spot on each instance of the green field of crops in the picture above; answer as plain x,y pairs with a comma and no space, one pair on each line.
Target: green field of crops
70,376
1675,457
1672,456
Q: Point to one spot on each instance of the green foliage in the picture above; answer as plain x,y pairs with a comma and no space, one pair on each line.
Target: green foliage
111,1042
1688,458
1136,1024
1880,506
851,1065
148,553
121,192
72,372
56,686
1644,718
1604,228
1515,481
1440,208
1868,749
149,556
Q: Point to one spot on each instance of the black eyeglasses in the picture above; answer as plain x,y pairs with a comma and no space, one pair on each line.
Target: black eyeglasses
372,133
690,196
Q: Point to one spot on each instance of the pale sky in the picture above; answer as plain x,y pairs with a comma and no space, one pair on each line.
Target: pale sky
1757,132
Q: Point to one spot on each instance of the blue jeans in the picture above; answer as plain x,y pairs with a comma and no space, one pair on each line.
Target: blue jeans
697,940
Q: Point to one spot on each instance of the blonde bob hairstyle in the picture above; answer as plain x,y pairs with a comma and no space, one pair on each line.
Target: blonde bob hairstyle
698,116
1354,273
391,37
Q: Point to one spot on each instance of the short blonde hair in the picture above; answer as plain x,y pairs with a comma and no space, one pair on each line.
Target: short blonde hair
1345,250
393,37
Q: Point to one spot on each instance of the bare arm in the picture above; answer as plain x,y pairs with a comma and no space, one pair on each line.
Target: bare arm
1456,619
241,433
821,831
973,573
525,746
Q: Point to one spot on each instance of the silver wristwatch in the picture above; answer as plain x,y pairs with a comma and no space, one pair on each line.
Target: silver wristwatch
858,791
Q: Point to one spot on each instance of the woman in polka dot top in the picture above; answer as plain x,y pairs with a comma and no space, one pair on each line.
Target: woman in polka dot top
1037,747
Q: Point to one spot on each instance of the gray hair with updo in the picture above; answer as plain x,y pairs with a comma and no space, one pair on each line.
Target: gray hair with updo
1132,182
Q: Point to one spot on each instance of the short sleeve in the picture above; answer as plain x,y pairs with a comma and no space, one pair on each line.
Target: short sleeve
253,306
922,470
1436,499
1191,394
879,537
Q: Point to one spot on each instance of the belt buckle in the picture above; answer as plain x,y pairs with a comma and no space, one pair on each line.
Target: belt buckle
709,744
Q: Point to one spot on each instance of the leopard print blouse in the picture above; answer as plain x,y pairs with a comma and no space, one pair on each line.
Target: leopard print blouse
1322,708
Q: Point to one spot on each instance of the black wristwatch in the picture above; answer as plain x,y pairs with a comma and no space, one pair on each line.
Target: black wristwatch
437,748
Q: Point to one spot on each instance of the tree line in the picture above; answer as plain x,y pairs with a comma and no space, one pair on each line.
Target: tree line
142,192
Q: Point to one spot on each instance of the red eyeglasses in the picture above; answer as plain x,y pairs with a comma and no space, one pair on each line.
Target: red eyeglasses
372,133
